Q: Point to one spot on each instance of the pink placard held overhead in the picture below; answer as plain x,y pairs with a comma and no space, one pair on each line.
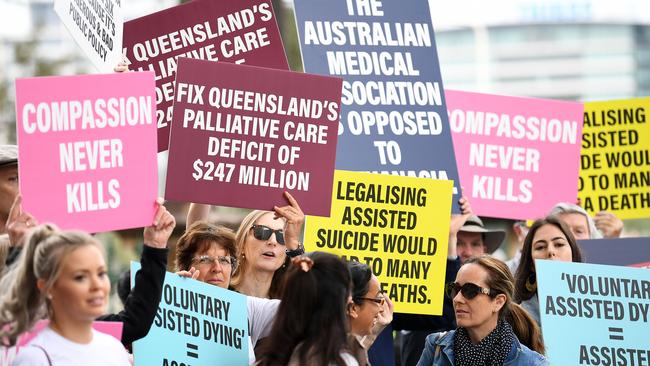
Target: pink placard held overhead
517,157
236,31
87,148
243,135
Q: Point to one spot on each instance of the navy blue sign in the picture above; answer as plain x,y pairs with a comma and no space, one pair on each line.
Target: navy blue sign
631,252
393,110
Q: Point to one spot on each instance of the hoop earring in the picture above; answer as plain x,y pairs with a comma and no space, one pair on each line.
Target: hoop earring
531,282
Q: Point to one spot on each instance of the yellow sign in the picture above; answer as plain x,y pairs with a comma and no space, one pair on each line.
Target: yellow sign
399,226
615,164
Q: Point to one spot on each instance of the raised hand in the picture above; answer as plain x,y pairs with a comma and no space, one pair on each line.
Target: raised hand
295,219
18,222
157,234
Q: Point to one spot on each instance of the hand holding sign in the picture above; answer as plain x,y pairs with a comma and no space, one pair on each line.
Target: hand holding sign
19,222
295,218
457,221
608,224
157,234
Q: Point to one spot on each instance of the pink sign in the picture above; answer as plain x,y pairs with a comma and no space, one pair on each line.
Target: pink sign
243,135
7,355
517,157
237,31
87,147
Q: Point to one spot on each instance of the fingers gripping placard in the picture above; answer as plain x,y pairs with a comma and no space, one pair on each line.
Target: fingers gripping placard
196,324
398,226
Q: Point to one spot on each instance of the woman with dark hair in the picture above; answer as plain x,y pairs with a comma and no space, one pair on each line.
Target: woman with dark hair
311,324
548,238
491,328
370,312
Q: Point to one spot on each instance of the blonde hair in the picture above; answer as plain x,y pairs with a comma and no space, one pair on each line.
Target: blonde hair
23,304
242,269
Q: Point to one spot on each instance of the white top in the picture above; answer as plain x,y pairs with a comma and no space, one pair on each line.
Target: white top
103,350
261,313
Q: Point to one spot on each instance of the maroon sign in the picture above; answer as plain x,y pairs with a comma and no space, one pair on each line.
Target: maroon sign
236,31
243,135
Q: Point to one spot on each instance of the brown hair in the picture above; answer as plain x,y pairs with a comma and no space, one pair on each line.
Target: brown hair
198,239
500,280
275,291
526,267
311,324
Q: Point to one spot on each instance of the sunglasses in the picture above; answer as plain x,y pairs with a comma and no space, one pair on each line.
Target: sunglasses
261,232
468,289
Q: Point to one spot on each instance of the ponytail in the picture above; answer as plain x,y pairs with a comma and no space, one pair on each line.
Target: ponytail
24,304
525,328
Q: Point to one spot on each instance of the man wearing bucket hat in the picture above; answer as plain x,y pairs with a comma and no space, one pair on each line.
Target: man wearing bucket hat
473,239
8,181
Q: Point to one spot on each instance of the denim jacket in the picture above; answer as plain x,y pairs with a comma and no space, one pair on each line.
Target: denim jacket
439,351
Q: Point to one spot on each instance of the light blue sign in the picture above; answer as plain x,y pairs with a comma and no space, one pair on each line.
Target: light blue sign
196,324
393,111
594,314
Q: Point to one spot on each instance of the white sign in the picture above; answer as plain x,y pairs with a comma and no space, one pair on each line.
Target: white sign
96,26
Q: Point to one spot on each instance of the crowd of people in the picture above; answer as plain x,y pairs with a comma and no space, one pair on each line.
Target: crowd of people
303,308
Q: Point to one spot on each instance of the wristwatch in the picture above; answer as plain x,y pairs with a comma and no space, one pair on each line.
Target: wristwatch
296,252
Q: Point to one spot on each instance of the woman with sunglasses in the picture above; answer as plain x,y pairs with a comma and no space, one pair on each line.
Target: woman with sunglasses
548,238
265,242
490,325
369,313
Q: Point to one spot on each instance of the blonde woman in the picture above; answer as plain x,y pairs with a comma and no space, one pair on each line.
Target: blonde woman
264,240
60,275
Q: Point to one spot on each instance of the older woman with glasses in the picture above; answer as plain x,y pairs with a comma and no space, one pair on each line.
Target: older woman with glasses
490,325
265,242
208,253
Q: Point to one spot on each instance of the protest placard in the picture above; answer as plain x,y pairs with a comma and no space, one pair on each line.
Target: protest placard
399,226
196,324
517,157
8,354
594,314
615,161
87,147
243,135
237,31
393,119
631,252
96,26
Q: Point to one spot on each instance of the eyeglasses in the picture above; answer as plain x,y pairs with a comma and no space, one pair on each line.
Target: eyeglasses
379,301
224,261
468,289
261,232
